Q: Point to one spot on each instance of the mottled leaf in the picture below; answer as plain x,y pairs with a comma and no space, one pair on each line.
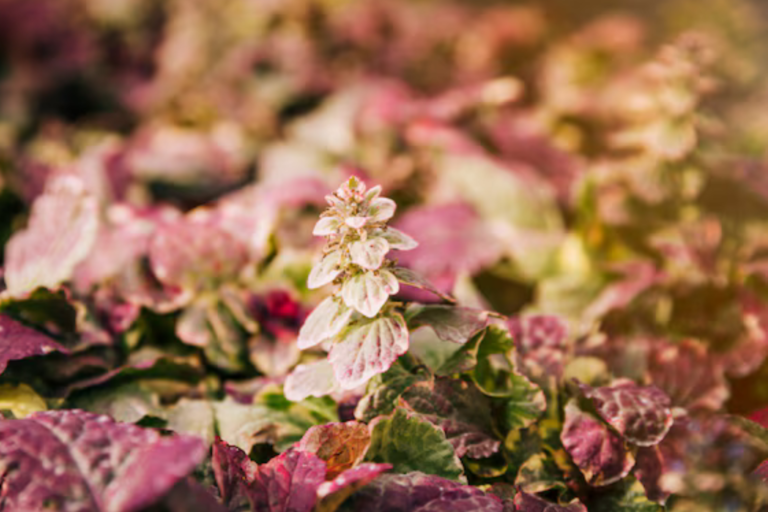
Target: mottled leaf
369,254
411,443
78,461
61,232
601,454
340,445
524,403
288,482
417,491
196,253
641,414
368,291
325,322
688,374
531,503
460,410
384,391
367,348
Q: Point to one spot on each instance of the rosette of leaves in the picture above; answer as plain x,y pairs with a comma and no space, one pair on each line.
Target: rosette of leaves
366,332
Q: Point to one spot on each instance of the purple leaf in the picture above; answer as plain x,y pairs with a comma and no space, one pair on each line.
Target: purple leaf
287,483
531,503
450,323
650,467
195,252
334,493
460,410
84,462
452,239
417,491
640,414
60,234
231,469
18,341
540,341
688,374
601,454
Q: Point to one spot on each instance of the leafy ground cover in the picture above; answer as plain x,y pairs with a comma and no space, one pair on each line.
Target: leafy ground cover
383,255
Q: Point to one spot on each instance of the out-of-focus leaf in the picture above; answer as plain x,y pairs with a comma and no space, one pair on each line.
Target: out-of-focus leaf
397,240
325,322
410,443
627,496
601,454
368,291
369,254
326,270
686,372
313,379
61,232
524,403
531,503
460,410
419,492
452,239
101,465
340,445
18,341
21,400
640,414
196,253
411,278
367,348
541,342
333,493
540,473
450,323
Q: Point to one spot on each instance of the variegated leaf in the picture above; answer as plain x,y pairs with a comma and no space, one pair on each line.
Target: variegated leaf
368,348
325,322
368,291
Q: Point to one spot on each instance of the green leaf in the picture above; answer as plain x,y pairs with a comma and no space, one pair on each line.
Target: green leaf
540,473
626,496
385,389
411,443
524,404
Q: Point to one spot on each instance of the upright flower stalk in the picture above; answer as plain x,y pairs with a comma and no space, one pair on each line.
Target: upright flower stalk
365,331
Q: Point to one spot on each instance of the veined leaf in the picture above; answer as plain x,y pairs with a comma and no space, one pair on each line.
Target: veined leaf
325,322
367,348
313,379
411,443
368,291
326,270
369,254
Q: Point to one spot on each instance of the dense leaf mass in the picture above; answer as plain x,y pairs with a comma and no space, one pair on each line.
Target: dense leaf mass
383,255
